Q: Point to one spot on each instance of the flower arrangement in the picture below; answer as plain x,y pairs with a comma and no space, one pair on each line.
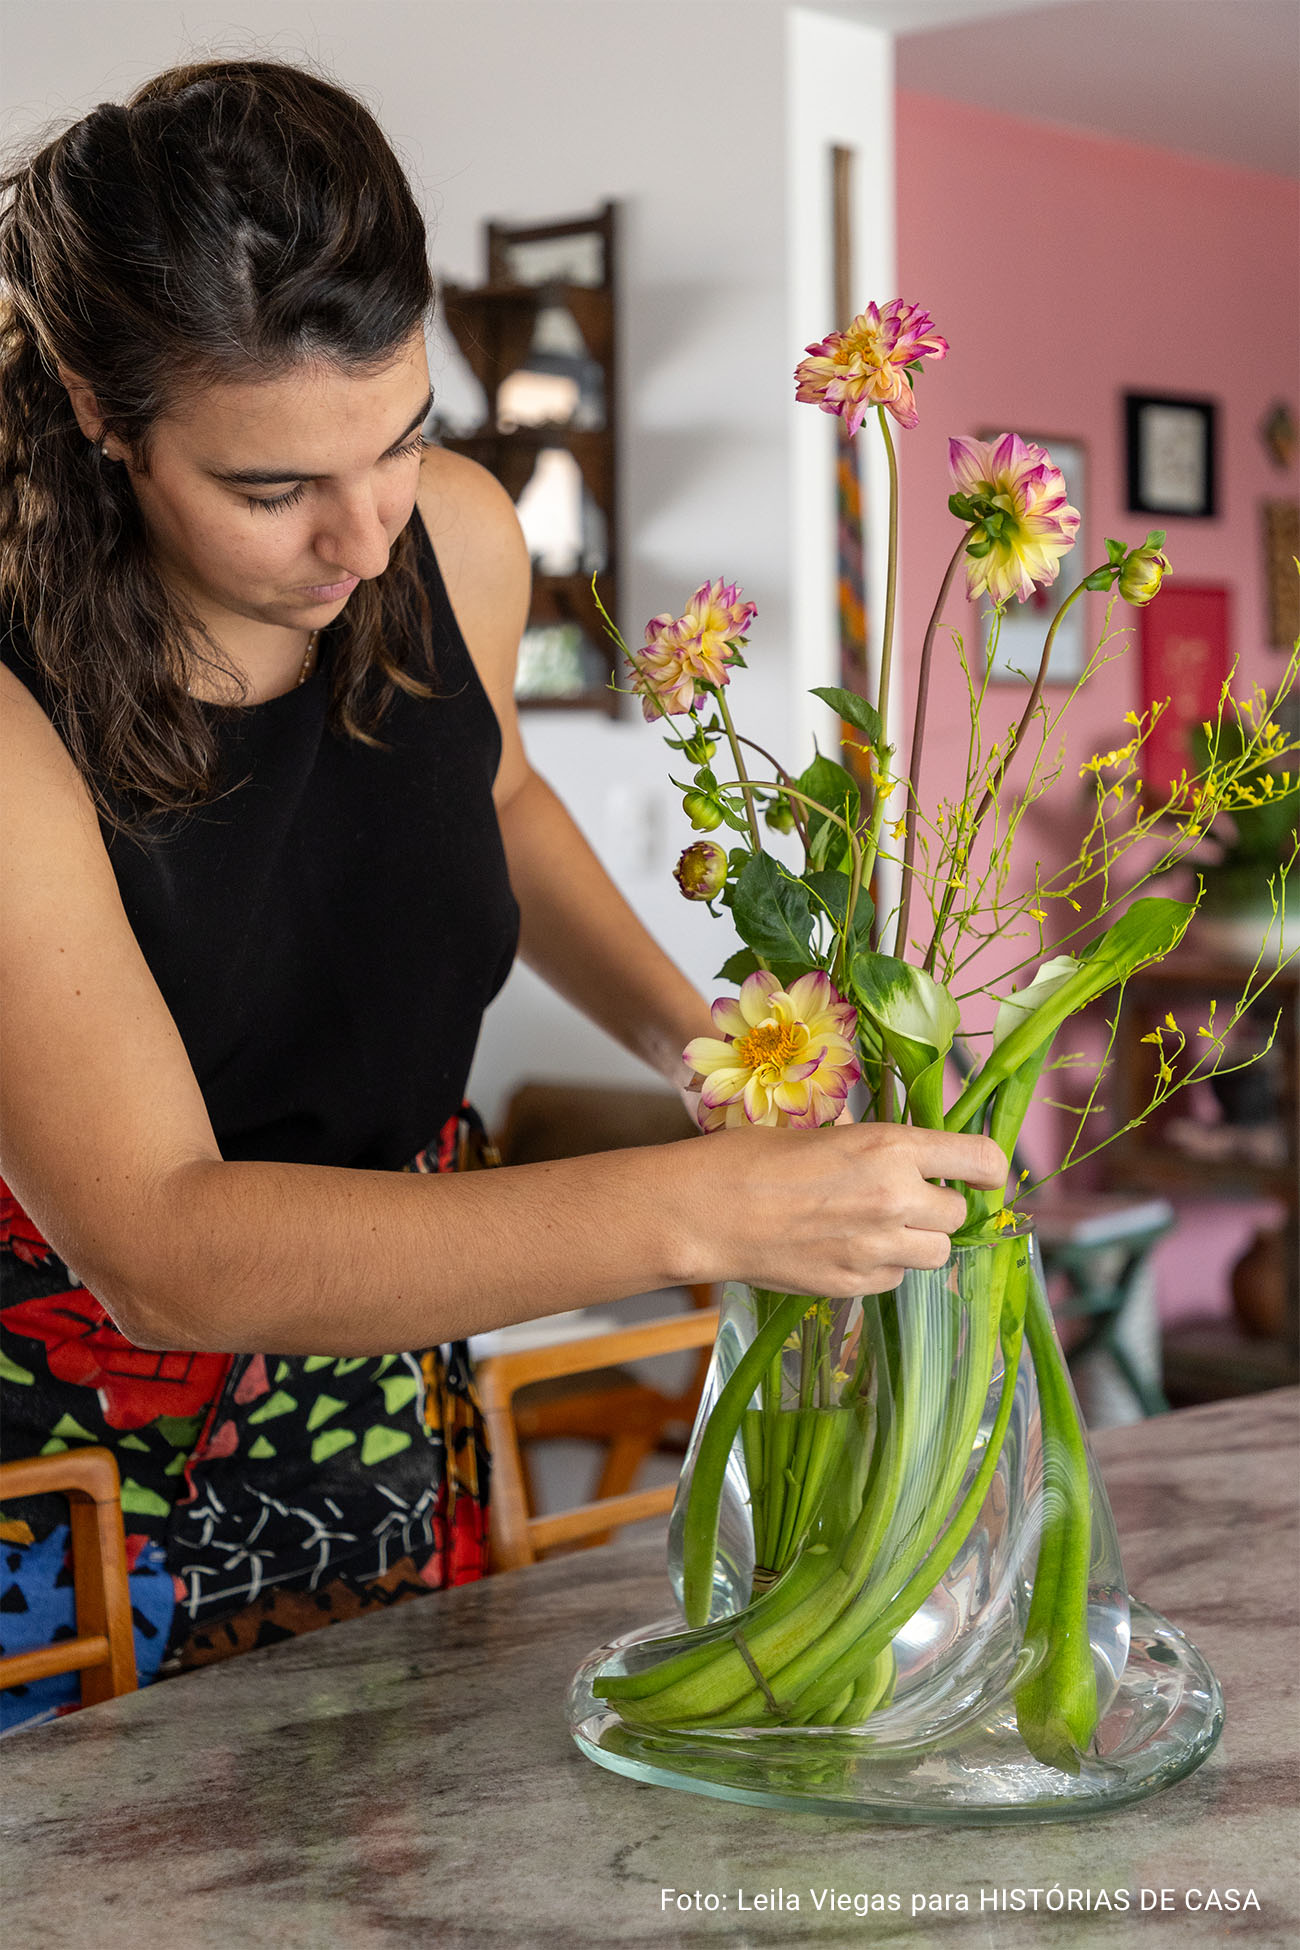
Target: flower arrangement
864,1472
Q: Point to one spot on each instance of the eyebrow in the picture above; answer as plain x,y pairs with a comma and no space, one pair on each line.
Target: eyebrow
275,476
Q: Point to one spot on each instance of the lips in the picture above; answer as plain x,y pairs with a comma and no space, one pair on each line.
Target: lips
331,592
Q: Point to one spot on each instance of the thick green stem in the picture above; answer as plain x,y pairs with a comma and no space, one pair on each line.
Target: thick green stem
742,776
700,1533
1056,1708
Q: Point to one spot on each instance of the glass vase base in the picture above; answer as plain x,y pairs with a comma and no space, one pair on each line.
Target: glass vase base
1162,1723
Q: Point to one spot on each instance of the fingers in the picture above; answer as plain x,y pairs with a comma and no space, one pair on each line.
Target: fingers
952,1154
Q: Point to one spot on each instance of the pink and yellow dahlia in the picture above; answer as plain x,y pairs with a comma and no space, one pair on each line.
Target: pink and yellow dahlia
783,1057
682,653
1019,501
851,371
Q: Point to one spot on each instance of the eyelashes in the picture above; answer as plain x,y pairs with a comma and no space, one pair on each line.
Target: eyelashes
277,503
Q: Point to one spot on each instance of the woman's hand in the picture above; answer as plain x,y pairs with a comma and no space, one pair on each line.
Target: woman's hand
834,1212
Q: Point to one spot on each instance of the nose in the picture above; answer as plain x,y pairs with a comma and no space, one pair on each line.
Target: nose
353,538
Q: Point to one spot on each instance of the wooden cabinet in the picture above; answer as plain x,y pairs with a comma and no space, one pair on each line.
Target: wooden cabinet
1237,1139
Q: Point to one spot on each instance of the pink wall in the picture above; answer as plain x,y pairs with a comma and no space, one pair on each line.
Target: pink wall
1065,269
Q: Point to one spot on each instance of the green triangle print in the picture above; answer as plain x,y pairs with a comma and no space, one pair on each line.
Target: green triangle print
277,1404
74,1431
10,1371
140,1502
315,1362
399,1389
260,1450
380,1442
330,1443
322,1408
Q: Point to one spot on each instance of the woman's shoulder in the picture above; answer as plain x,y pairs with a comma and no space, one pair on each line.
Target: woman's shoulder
483,560
471,522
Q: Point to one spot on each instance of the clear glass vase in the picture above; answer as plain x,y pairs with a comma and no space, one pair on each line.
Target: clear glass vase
899,1583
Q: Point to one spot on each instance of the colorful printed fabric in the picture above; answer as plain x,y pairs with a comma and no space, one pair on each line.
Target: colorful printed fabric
247,1474
38,1607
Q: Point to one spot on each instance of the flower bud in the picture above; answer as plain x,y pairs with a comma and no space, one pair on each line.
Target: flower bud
1143,571
779,816
703,811
701,873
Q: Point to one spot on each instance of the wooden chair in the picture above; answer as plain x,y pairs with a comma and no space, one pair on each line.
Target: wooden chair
103,1651
517,1535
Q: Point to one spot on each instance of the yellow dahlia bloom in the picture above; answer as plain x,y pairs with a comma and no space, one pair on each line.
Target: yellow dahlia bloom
1018,497
783,1057
870,364
683,654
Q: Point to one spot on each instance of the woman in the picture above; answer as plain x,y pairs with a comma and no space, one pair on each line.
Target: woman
270,831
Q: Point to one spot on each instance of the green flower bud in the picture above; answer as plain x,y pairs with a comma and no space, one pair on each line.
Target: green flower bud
703,811
701,873
1143,571
779,816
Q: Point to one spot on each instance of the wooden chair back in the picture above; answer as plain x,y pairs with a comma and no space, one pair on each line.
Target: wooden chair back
518,1536
103,1651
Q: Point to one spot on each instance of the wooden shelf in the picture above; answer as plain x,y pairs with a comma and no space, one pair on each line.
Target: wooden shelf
493,324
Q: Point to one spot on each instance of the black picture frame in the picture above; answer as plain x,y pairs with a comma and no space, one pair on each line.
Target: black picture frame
1171,453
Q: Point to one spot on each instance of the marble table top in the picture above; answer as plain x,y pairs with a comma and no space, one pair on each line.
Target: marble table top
409,1779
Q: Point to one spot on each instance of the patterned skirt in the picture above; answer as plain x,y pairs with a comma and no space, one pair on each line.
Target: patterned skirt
262,1495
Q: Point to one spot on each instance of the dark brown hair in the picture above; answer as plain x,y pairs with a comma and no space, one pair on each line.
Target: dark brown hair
233,218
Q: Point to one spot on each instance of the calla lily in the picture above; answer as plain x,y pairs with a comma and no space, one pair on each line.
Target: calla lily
1149,930
1047,980
917,1020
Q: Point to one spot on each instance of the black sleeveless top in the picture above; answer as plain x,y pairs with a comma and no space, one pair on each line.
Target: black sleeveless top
329,932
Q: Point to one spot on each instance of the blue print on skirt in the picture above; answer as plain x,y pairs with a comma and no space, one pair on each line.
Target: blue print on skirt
37,1606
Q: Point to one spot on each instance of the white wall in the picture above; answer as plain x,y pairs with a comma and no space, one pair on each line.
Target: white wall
709,120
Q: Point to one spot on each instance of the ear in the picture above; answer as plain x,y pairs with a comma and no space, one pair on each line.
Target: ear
90,418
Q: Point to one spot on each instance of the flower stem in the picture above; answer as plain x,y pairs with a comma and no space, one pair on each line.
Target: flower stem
918,741
1056,1708
891,583
700,1534
742,775
995,783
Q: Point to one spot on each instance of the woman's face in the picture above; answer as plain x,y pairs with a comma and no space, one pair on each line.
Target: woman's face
266,501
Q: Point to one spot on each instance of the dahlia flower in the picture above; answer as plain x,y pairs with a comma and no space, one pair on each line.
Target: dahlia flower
851,371
783,1057
683,653
1011,488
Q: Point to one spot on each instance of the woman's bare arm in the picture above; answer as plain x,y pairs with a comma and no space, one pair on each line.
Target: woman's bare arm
105,1140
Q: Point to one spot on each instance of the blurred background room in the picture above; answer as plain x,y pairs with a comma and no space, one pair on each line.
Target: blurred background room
641,211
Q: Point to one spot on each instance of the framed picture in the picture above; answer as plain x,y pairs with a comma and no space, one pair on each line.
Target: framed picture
1012,655
1281,522
1185,657
1170,447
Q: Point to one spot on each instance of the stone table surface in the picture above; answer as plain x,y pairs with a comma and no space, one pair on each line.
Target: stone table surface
409,1778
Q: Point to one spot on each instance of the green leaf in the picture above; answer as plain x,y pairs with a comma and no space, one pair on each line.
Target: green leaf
832,787
1116,551
855,709
737,966
771,911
